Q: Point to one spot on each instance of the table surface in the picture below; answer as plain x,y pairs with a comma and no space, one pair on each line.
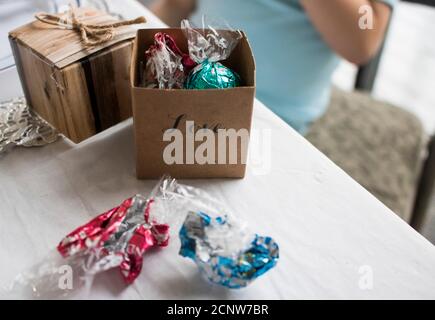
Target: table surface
332,233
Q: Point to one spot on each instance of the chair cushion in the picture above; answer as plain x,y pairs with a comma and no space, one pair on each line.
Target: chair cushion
381,146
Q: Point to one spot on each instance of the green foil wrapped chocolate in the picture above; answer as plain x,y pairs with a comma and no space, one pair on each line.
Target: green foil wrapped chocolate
207,46
212,75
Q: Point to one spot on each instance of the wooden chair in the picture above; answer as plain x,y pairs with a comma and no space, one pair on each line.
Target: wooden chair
355,135
364,81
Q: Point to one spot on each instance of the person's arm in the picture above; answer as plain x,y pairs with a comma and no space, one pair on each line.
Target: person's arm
338,23
172,12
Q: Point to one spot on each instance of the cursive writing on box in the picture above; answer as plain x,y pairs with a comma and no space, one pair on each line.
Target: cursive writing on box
179,120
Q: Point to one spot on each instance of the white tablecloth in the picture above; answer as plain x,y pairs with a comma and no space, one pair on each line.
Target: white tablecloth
328,227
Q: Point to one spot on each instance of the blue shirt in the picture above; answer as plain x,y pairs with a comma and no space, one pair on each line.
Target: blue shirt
294,64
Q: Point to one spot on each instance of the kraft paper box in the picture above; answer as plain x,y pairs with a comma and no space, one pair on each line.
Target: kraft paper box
79,90
157,112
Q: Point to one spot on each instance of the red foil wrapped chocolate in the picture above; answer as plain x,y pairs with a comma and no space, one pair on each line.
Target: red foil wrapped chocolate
166,40
118,237
166,66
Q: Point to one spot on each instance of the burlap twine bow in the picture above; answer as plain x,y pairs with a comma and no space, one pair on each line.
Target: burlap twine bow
91,34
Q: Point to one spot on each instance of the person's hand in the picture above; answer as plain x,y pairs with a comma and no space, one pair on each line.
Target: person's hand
172,12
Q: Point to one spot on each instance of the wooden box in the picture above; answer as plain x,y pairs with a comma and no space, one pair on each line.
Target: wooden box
80,90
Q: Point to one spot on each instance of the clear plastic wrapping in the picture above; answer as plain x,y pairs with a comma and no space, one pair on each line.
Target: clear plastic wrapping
117,238
166,66
223,248
212,42
208,46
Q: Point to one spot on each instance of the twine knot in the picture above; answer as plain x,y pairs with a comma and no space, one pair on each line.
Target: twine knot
91,34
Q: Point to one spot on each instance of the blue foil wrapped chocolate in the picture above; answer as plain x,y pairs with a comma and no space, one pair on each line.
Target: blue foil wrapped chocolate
224,252
207,46
212,75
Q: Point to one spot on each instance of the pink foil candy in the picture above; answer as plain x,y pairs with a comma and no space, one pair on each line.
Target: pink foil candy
118,237
186,60
166,66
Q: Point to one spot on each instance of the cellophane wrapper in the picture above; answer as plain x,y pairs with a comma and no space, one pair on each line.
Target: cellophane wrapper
118,238
224,248
171,204
214,42
207,46
166,66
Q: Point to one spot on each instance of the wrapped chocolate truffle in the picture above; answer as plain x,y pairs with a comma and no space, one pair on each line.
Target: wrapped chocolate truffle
224,251
223,248
208,46
166,66
118,238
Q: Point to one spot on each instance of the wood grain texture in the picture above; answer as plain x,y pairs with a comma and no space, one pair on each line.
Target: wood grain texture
62,47
110,72
83,98
59,96
121,66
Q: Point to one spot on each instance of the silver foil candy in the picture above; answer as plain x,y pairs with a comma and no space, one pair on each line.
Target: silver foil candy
20,126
